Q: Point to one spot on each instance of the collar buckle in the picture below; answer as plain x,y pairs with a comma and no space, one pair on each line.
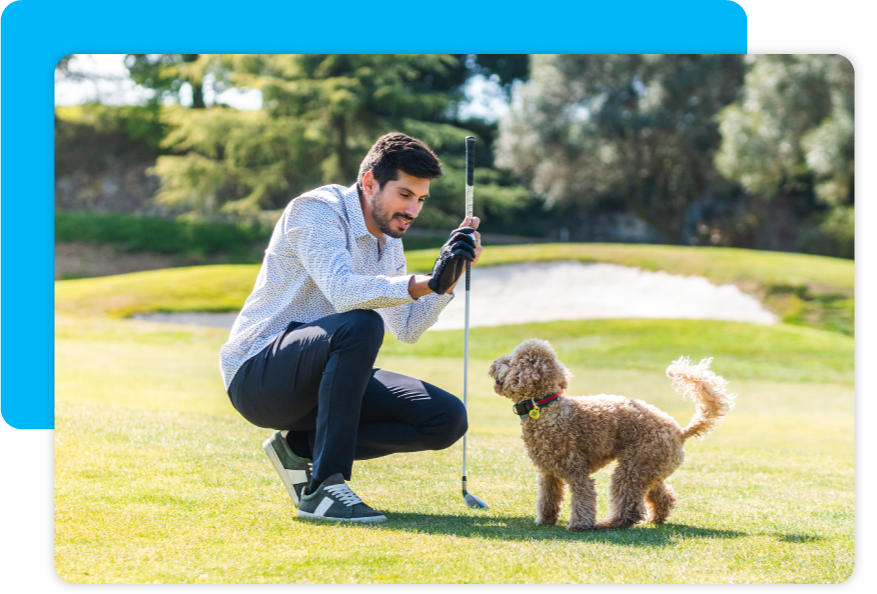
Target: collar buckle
533,408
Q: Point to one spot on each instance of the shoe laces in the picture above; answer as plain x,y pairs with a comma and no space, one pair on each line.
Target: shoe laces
344,494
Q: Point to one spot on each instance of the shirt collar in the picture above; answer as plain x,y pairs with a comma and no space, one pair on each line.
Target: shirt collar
354,212
356,217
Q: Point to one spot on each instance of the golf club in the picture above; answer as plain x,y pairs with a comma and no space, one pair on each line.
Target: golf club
470,499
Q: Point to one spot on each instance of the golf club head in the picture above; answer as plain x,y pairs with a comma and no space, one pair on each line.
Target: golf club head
474,502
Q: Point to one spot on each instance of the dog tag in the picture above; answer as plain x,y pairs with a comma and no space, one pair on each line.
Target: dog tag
534,414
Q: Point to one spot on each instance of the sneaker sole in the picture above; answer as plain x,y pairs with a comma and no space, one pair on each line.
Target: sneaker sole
371,520
278,466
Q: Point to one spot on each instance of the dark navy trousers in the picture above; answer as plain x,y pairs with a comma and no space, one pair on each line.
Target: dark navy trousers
318,381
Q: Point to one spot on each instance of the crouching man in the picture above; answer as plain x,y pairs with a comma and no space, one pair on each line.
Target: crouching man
300,356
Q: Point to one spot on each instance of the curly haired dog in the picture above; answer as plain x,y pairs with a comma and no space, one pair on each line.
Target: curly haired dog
569,438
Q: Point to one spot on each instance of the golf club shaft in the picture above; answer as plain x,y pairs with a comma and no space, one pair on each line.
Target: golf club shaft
466,371
470,190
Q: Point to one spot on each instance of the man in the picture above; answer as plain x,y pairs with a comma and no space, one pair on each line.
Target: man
300,356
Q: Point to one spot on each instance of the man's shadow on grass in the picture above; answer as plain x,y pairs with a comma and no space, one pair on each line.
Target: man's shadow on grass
523,528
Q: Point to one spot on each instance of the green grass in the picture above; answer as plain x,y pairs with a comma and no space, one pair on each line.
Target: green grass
741,350
159,480
151,497
804,290
217,288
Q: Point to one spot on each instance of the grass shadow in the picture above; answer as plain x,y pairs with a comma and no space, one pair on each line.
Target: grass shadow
515,528
798,538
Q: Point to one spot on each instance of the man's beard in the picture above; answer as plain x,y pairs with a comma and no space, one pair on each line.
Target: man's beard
383,219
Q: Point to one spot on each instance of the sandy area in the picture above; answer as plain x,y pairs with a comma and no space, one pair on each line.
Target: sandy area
551,291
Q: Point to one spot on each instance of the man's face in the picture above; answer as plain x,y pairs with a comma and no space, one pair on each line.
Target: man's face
397,204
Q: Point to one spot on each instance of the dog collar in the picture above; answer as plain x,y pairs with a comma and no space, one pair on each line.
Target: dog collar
531,408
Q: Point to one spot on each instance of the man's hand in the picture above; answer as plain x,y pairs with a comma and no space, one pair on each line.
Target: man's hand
421,285
473,222
449,266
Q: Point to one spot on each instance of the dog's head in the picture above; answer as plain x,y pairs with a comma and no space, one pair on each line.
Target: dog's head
530,371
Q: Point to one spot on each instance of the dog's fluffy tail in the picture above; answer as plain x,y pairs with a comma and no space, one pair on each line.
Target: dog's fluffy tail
706,389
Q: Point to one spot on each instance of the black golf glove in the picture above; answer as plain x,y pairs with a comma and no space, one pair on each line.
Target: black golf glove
449,266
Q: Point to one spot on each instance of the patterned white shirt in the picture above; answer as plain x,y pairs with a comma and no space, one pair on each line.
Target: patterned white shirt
322,260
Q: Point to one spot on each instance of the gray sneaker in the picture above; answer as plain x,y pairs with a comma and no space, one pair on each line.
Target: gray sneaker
295,472
333,500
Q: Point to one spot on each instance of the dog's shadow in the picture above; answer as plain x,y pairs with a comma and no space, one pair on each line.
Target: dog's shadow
523,528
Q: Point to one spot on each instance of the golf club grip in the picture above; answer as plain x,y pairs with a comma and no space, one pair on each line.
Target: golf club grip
468,273
470,160
470,174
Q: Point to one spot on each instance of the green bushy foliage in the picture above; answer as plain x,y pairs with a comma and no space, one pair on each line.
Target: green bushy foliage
162,236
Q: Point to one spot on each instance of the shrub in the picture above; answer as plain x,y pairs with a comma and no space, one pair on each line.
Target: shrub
158,235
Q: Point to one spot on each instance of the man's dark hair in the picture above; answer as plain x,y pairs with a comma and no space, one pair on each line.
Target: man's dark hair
395,152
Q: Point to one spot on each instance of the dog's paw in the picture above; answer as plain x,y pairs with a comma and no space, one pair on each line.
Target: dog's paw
615,524
540,521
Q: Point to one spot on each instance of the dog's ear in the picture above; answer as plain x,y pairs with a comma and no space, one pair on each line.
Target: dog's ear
497,368
528,375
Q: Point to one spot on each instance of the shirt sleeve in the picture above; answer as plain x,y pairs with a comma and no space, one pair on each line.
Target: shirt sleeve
315,235
407,322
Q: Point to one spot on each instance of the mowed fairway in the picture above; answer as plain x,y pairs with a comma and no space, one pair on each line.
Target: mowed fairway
159,480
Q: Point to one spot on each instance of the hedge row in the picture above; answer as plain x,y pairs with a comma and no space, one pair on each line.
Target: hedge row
154,234
188,238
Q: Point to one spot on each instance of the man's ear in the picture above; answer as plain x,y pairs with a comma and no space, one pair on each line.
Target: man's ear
369,183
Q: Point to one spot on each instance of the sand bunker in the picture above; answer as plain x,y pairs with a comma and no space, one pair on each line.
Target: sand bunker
550,291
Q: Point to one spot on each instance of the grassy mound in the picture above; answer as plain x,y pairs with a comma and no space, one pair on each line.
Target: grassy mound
217,288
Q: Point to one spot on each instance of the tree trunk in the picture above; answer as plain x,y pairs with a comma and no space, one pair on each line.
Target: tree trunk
198,96
197,87
342,151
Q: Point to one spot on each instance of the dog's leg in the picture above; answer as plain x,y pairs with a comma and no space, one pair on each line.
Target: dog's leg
550,497
583,504
661,498
627,492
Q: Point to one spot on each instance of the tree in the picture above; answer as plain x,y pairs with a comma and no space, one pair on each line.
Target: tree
638,126
166,74
320,115
505,69
353,98
791,134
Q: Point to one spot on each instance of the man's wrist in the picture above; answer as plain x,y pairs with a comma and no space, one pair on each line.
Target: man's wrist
418,285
